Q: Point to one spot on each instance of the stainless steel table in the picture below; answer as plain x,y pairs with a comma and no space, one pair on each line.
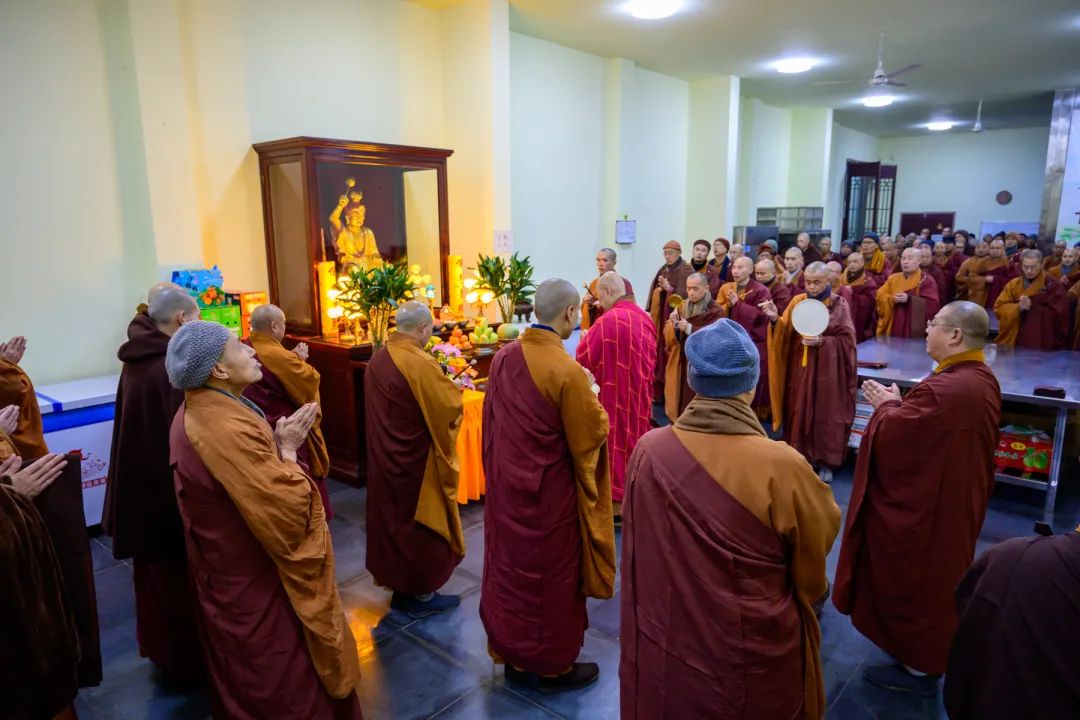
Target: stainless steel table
1018,371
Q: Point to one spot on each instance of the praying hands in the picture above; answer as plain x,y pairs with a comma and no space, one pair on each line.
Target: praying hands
877,394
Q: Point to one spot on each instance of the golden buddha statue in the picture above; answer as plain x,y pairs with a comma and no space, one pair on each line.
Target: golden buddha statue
353,241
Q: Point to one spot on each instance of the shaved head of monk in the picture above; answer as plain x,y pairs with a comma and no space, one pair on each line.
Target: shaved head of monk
909,260
697,286
1069,256
742,270
414,319
765,271
997,248
170,307
269,319
834,270
154,290
816,279
793,259
557,306
958,327
609,289
855,263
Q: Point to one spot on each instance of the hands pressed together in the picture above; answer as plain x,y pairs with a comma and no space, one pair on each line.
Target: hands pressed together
291,432
877,394
13,349
301,351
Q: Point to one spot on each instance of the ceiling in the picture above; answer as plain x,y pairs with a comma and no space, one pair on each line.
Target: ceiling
1011,53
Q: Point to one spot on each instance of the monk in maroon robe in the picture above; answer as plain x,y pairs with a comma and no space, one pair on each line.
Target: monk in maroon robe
812,379
412,414
793,275
1011,656
743,301
726,538
765,272
549,537
929,267
140,511
1033,309
618,352
591,309
810,252
863,291
999,270
276,637
699,261
699,311
907,300
670,280
922,484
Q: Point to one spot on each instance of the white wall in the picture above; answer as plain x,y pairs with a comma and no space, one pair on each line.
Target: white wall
962,172
764,158
847,144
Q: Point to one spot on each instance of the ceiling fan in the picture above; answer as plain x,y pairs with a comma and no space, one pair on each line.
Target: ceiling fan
978,126
880,78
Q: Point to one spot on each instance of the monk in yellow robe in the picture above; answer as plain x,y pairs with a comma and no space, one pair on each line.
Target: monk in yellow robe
876,264
698,311
907,300
971,278
412,413
1033,309
276,639
17,389
1068,270
549,536
288,383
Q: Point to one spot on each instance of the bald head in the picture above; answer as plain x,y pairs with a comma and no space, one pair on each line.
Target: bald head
817,269
909,260
765,271
609,289
793,259
159,287
834,270
414,319
170,307
742,271
556,305
269,320
969,318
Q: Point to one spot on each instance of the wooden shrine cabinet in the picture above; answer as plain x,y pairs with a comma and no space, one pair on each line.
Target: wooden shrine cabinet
329,205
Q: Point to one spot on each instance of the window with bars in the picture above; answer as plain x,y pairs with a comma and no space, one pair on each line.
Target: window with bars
869,194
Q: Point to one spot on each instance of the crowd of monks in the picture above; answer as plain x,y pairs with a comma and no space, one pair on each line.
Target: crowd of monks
217,493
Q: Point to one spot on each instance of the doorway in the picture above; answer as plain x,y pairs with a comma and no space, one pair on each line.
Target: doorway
936,221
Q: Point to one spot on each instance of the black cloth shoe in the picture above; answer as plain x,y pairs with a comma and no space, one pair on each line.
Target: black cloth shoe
417,609
579,676
895,677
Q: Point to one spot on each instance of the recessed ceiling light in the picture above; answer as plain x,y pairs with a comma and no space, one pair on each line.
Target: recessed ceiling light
940,125
653,9
876,101
794,65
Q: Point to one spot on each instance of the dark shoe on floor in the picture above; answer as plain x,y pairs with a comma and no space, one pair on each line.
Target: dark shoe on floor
417,609
895,677
581,675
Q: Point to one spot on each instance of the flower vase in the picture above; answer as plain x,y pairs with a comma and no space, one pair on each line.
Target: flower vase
378,324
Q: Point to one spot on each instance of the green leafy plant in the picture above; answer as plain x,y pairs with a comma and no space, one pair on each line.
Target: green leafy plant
375,293
511,281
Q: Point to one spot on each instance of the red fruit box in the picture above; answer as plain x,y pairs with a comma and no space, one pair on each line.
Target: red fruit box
1025,449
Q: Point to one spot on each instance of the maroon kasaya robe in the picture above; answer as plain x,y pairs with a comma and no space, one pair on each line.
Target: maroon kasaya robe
939,277
1014,653
863,308
140,505
780,294
904,323
658,310
715,631
272,398
402,554
747,313
1045,326
256,654
531,603
1002,275
922,483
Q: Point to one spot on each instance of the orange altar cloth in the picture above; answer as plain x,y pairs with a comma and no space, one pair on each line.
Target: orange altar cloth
469,448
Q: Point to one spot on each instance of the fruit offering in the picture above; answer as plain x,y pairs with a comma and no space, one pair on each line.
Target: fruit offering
483,334
458,339
508,332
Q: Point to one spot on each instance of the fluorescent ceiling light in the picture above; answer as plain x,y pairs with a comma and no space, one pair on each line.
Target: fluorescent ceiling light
653,9
876,101
794,65
940,125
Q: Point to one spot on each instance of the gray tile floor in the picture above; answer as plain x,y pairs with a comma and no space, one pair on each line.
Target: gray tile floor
439,667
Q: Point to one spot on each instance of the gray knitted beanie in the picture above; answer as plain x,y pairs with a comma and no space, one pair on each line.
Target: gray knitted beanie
192,352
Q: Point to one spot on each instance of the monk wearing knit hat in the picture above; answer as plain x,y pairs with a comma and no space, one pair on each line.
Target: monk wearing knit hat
277,643
725,530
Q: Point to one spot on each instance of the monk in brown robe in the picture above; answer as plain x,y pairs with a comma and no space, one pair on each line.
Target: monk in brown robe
670,280
412,414
922,484
793,274
726,534
1033,309
810,252
1068,270
140,512
928,267
17,389
591,307
907,299
863,291
1010,657
1057,257
549,537
999,270
813,400
699,261
742,301
288,383
971,277
766,273
699,310
276,638
720,261
39,644
876,262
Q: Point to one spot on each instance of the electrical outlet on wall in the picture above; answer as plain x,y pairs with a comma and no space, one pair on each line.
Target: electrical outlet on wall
504,242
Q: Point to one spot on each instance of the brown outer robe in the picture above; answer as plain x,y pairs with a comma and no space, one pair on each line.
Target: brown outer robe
657,307
677,390
17,389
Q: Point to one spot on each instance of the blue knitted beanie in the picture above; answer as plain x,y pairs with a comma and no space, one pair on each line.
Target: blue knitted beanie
723,360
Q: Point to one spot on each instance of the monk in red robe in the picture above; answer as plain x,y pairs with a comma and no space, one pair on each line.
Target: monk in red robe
699,310
140,512
907,300
766,273
276,638
618,352
1067,272
742,301
1009,658
549,537
810,252
720,261
999,270
929,267
726,538
1033,309
863,291
793,275
591,309
812,379
876,261
971,277
412,414
922,484
836,282
288,383
670,280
